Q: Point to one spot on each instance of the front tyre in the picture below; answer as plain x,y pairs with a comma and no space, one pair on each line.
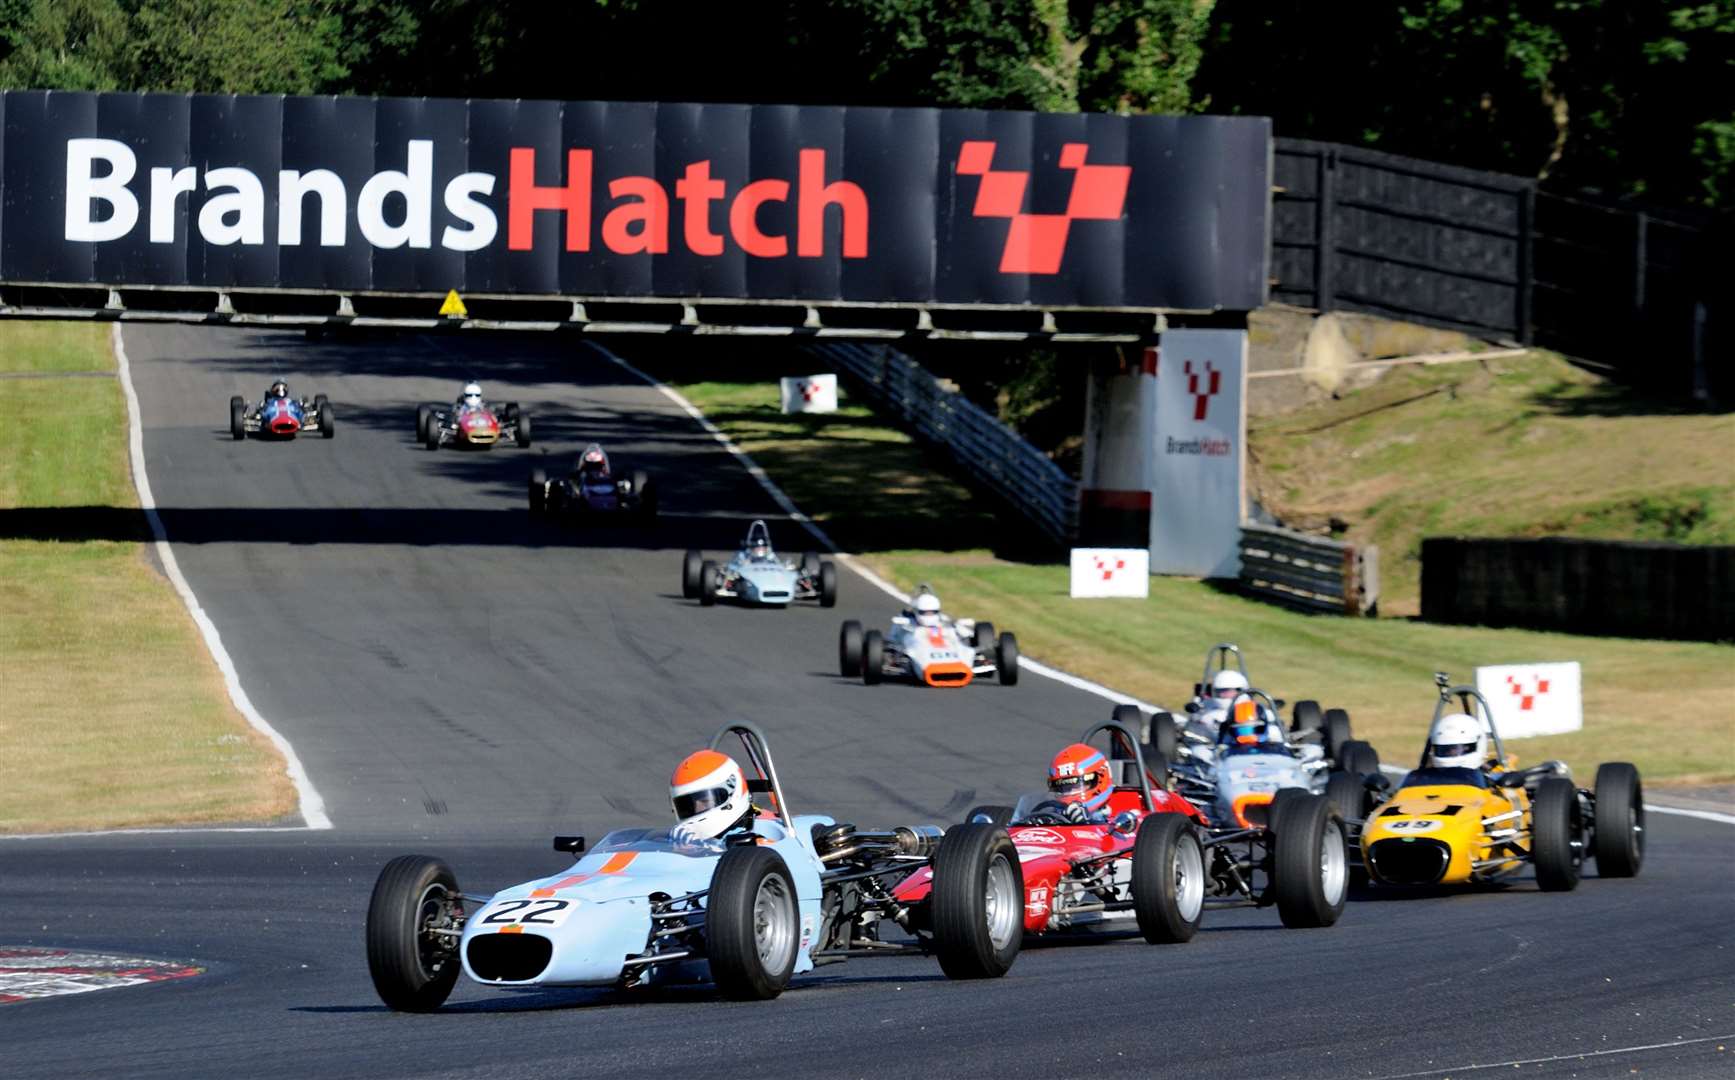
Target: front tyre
413,968
1310,864
1557,835
977,902
692,566
521,428
708,583
1006,660
1620,820
873,657
752,924
538,491
424,413
849,646
1168,879
238,418
327,423
827,584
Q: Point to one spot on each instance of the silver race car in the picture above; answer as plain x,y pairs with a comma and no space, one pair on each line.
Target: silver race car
924,645
757,576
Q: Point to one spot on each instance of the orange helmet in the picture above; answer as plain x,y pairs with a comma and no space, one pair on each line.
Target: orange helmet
1080,774
709,793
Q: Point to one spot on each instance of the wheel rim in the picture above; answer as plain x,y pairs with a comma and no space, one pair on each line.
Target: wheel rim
1002,903
432,912
1333,863
1636,827
1189,879
773,924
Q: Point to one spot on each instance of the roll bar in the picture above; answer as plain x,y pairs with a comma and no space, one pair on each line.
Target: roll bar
1117,729
1466,696
1217,659
759,760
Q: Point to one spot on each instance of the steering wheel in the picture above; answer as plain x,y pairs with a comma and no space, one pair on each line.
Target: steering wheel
1049,812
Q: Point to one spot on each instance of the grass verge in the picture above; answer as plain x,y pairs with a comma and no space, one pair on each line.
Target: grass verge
115,715
1378,669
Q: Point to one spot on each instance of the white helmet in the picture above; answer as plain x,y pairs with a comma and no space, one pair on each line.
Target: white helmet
709,794
927,608
472,393
1457,742
1225,685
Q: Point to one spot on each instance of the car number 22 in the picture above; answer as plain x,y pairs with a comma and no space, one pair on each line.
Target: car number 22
527,913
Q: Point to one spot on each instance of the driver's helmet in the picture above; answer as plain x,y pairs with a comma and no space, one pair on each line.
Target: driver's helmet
709,794
926,607
1248,727
1225,685
1080,774
472,395
279,389
1457,742
593,461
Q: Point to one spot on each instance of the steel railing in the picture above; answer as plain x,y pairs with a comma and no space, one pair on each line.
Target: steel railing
1311,572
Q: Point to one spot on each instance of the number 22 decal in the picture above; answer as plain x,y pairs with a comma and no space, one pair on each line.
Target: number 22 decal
528,913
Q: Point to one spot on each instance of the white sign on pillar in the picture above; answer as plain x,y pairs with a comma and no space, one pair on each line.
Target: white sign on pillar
1198,453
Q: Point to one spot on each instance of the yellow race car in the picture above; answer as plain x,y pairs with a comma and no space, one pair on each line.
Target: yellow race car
1487,821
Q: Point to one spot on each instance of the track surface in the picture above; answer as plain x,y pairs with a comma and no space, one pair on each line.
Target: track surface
463,683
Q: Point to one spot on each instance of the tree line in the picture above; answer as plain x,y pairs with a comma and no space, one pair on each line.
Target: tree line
1629,99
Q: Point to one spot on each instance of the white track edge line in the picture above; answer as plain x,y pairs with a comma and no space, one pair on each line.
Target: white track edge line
848,559
1582,1055
312,805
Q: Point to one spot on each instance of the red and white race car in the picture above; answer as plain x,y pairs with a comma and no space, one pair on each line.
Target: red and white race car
1151,858
471,426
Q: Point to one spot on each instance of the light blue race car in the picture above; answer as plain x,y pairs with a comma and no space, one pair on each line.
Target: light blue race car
757,576
745,912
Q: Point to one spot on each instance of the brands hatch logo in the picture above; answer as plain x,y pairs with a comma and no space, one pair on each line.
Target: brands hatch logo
1036,243
1107,567
811,390
1538,687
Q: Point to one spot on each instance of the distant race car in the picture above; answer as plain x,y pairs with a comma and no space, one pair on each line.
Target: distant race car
1460,825
947,653
643,908
592,491
1157,862
1225,676
281,417
471,426
755,575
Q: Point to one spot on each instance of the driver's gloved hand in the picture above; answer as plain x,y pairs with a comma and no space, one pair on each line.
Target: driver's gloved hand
1076,813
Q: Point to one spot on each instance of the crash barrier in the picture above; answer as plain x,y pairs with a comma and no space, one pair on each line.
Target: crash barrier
1637,289
992,452
1615,587
1310,572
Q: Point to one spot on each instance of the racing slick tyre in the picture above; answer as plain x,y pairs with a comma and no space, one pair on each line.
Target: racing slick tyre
1556,835
992,815
1168,879
1358,759
692,566
238,418
1006,660
413,968
1165,735
1344,791
424,413
319,401
849,644
752,924
520,432
810,563
977,904
708,575
1157,767
432,439
1336,734
827,585
1309,862
538,491
1306,716
327,423
1128,715
1620,820
873,657
984,638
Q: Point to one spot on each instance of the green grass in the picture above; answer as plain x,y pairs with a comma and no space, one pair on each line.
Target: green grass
1381,670
115,715
1521,446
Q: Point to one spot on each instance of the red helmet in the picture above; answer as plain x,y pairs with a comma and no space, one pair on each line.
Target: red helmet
1080,774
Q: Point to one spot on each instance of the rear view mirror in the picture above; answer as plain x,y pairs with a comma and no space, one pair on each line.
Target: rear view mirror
1278,702
1192,706
1376,782
572,844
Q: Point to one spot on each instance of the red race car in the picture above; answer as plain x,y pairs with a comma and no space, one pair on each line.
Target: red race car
1146,854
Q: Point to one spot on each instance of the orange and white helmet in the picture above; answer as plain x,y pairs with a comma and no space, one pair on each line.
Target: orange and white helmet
1080,774
709,794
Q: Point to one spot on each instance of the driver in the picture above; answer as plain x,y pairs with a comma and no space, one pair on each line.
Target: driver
1458,741
470,397
710,797
1224,686
1250,731
279,389
593,463
925,608
1080,781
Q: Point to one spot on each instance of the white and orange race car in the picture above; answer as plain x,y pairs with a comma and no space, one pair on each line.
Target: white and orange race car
952,653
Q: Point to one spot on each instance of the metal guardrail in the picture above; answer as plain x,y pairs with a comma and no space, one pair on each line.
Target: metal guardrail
994,453
1310,572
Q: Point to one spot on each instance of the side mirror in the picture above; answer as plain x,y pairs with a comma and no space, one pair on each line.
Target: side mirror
1192,706
1376,782
572,844
1279,702
1126,822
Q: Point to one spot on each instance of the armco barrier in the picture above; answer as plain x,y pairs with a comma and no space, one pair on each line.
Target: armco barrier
993,453
1623,588
1310,572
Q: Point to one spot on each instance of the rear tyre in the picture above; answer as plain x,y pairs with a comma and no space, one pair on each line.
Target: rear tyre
432,439
538,491
708,575
873,657
1157,765
984,638
849,645
810,563
1557,835
413,969
1310,866
978,902
1344,792
1620,820
1336,733
991,815
1165,735
1306,716
827,585
692,566
752,924
424,413
327,423
1358,759
1168,879
521,433
1006,660
1128,715
238,418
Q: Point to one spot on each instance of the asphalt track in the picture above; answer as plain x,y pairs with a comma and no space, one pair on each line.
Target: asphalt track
461,682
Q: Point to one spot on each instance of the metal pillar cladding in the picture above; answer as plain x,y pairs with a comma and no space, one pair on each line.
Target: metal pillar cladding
1120,416
1197,452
